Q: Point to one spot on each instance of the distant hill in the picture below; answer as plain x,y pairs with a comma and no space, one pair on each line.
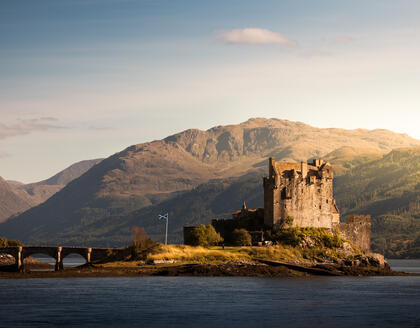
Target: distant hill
131,187
26,196
10,202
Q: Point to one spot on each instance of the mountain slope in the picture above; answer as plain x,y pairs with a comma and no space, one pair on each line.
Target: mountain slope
26,196
70,173
10,202
150,174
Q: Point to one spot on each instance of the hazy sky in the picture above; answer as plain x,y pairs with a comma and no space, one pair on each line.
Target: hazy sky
81,79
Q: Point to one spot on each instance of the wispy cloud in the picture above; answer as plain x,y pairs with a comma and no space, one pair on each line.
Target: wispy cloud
255,36
27,126
99,128
339,39
343,39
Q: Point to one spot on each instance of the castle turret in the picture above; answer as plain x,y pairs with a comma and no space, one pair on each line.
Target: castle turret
304,169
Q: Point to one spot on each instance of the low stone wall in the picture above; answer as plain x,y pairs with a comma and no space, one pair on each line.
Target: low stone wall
358,231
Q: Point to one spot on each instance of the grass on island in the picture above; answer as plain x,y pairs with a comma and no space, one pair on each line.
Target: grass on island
183,254
296,245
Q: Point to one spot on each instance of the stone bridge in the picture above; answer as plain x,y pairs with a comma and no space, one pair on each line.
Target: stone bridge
56,252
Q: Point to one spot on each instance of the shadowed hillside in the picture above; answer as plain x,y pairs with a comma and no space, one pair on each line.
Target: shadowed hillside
26,196
10,202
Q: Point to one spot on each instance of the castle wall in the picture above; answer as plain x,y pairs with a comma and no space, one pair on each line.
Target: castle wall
357,230
251,220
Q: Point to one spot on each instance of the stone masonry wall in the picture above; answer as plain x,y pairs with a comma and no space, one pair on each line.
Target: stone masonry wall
358,231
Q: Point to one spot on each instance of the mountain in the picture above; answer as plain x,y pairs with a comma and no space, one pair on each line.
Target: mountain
10,202
131,186
26,196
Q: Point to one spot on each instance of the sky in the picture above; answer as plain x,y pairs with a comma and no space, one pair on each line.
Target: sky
84,79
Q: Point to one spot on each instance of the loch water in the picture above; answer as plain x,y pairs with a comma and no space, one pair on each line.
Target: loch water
214,301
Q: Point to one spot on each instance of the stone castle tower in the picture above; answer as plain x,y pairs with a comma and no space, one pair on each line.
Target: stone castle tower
302,192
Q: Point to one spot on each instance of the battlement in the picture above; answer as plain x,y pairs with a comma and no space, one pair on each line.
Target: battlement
318,169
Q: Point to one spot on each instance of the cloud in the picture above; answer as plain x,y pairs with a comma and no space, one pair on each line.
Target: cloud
343,39
254,36
26,126
48,118
99,128
3,155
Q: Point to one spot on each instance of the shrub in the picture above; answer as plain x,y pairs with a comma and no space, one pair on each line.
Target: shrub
288,221
290,236
319,236
241,237
4,242
205,236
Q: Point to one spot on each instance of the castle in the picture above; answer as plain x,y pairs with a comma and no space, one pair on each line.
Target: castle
297,195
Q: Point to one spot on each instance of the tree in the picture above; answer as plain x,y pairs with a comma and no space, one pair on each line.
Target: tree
139,236
142,244
241,237
205,236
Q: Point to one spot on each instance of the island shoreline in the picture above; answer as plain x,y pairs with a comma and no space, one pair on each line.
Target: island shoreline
204,270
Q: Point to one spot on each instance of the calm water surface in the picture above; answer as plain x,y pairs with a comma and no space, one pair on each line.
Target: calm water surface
212,302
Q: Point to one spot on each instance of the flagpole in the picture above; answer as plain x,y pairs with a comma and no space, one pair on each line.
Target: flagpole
166,234
166,217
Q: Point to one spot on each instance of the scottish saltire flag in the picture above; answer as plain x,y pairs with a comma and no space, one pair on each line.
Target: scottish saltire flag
163,217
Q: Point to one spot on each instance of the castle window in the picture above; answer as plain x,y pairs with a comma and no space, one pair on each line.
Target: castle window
319,190
327,201
283,193
319,206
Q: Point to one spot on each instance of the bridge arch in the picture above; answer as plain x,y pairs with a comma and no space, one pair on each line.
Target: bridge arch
82,251
54,252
